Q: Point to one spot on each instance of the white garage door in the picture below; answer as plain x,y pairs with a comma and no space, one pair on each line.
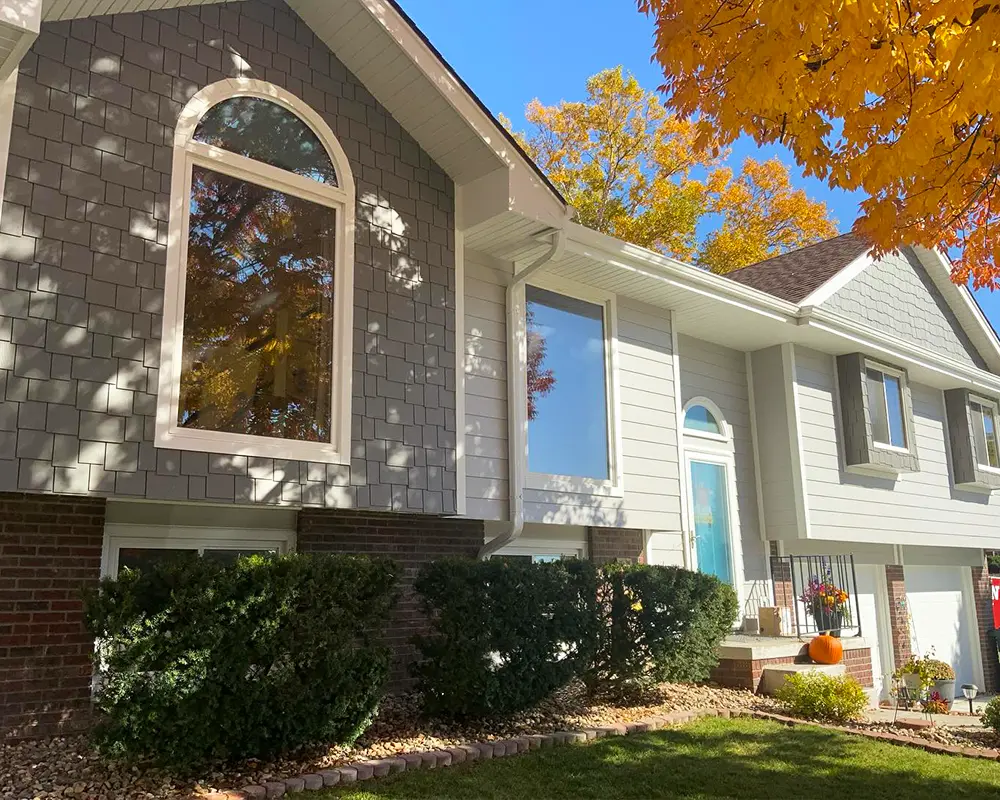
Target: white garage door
872,628
942,618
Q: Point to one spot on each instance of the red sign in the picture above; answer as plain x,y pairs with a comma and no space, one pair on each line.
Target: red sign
995,594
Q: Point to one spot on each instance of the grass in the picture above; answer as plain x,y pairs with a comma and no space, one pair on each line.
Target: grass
713,758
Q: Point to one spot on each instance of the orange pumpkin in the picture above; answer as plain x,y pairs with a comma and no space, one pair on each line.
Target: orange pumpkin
826,649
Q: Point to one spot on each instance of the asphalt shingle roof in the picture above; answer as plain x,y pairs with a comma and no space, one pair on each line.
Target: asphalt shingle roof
793,276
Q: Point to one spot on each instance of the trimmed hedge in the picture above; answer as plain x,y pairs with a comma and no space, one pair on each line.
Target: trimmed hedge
203,663
657,624
829,698
504,634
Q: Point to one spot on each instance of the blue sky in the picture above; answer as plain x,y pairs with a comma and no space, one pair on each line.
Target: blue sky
538,49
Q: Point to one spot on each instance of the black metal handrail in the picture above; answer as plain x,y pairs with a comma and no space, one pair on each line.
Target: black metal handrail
820,591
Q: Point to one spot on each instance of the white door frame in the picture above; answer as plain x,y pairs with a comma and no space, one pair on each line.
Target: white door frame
727,460
883,626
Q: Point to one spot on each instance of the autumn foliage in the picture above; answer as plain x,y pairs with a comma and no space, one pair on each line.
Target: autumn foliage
637,171
892,98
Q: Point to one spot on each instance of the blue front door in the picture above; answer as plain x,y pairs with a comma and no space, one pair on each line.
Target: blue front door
710,503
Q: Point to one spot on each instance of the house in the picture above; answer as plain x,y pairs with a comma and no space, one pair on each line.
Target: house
272,278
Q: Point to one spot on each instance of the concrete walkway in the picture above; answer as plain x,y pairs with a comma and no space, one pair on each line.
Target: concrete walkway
887,715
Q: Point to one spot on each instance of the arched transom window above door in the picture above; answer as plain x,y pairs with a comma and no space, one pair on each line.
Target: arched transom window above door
703,418
256,354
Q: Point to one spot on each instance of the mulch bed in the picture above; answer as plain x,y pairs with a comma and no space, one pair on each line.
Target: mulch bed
69,768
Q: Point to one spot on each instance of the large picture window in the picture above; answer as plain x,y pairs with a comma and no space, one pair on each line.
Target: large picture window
567,386
256,348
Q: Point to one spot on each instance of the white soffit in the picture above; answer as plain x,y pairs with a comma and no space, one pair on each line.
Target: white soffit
19,23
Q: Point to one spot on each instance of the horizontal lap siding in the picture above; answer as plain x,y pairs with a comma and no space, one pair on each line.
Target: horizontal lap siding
486,467
651,497
921,508
718,373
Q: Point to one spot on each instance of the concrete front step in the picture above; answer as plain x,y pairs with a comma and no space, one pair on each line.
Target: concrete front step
774,674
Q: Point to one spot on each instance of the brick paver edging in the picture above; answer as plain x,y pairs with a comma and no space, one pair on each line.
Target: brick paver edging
446,757
891,738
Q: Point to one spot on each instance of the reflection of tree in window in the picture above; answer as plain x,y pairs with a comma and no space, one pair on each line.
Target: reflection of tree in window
258,308
540,380
265,131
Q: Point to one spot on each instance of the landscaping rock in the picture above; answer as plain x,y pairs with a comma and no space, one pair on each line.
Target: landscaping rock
67,767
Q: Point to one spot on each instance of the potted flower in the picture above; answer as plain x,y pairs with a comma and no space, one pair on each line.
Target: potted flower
941,678
913,675
827,603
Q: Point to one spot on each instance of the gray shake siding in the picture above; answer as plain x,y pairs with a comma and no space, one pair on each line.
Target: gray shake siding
896,295
83,236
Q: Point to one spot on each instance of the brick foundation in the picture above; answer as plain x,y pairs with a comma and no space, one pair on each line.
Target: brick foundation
984,618
50,549
410,540
899,615
605,545
746,674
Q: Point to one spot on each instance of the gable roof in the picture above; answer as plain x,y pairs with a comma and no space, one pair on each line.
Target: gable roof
795,275
383,47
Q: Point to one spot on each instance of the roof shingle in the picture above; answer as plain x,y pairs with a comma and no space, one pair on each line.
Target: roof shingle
793,276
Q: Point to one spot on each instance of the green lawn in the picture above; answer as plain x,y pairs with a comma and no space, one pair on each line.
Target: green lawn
713,758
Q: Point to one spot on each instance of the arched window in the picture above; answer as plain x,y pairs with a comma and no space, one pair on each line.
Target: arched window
258,299
703,418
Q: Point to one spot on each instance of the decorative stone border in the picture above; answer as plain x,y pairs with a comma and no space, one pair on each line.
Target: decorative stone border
446,757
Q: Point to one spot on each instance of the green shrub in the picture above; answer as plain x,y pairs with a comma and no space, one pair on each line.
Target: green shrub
991,715
814,695
503,635
656,624
205,663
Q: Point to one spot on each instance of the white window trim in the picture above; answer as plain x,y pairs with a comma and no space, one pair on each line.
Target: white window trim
187,153
728,461
713,408
907,433
575,484
993,406
543,547
118,535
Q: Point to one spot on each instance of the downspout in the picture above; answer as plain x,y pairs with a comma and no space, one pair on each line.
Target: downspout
517,395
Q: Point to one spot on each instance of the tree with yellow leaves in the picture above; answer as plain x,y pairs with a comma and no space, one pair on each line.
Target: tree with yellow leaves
892,98
636,171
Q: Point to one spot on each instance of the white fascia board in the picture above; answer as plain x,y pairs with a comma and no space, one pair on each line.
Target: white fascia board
630,257
937,264
833,285
897,350
527,187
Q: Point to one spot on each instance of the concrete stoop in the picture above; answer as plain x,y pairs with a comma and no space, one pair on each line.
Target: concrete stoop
775,674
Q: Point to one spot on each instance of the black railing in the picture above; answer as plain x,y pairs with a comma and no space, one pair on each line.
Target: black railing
820,591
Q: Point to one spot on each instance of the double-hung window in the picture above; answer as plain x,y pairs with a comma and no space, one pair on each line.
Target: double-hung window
569,389
984,432
876,410
885,404
256,353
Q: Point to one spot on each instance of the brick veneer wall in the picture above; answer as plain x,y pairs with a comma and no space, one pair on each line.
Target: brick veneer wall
746,674
984,619
781,575
50,549
410,540
615,544
899,615
83,237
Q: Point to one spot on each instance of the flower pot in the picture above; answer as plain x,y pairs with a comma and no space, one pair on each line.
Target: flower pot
911,680
945,688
